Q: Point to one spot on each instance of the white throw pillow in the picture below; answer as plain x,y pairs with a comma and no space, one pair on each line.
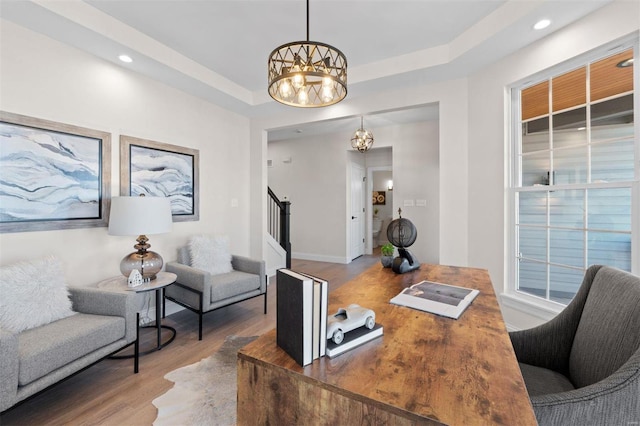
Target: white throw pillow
210,253
33,294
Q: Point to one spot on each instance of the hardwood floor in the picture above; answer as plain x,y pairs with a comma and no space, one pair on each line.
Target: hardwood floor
108,393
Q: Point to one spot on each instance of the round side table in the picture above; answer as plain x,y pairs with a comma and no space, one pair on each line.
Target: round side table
158,285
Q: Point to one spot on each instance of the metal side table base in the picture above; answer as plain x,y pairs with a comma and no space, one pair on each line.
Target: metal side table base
158,285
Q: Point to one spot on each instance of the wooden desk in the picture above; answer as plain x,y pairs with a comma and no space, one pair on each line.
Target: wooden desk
426,369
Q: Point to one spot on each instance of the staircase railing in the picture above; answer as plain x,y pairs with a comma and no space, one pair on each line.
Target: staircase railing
279,217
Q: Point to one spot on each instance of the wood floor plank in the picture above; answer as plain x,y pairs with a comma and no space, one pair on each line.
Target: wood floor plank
108,393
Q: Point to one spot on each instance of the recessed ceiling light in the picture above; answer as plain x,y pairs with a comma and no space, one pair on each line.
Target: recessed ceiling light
125,58
541,24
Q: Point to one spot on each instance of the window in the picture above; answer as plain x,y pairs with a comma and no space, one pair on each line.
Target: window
574,175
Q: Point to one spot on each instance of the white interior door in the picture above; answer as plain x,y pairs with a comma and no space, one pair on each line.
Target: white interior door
357,210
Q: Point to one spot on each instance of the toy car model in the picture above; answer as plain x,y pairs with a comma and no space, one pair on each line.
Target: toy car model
347,319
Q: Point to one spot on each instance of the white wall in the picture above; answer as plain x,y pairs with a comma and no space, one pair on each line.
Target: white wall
488,137
43,78
416,176
316,183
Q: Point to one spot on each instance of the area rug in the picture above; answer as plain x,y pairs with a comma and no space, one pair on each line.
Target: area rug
204,393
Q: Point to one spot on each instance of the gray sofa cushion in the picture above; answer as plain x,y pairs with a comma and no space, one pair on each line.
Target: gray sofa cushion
232,284
610,322
49,347
542,381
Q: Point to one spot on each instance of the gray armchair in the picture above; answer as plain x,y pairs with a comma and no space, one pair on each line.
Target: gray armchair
202,292
34,359
583,366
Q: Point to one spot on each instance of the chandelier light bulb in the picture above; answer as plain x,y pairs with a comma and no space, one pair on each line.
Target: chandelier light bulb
303,97
327,94
285,89
298,81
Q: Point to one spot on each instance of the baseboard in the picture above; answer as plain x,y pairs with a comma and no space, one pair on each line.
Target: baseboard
319,258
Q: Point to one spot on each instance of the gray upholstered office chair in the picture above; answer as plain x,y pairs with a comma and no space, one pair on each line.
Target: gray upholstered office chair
583,366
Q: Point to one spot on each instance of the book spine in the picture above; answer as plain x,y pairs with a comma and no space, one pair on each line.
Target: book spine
324,297
294,316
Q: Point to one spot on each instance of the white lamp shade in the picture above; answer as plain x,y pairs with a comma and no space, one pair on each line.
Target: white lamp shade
140,216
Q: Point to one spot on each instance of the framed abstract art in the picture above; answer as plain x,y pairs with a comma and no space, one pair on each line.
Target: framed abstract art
379,198
161,170
52,175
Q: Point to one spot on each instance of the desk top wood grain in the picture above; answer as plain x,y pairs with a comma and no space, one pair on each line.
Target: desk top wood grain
425,366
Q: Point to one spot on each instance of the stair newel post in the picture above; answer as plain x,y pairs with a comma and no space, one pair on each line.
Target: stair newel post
285,223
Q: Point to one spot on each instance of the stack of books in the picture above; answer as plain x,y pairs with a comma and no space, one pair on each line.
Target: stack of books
301,328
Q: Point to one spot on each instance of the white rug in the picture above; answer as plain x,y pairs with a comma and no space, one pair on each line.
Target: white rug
204,393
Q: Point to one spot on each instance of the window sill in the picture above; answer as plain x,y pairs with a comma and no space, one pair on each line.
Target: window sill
536,307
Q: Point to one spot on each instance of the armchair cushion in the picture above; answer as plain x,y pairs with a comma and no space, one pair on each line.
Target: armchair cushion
541,381
232,284
210,253
20,309
88,300
45,349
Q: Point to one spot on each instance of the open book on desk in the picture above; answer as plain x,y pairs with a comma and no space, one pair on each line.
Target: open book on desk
441,299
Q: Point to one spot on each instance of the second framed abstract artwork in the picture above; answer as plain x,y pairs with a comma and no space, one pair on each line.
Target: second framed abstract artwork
161,170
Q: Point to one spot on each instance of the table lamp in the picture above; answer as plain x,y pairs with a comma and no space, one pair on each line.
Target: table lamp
140,216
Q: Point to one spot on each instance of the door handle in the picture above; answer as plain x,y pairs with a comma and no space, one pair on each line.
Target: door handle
353,217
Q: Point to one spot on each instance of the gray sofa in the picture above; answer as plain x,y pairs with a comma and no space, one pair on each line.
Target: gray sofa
35,359
583,366
202,292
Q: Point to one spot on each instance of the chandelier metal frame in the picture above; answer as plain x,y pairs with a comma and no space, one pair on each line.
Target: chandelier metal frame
362,139
307,74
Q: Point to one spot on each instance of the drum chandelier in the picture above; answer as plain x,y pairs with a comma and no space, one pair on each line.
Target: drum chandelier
307,74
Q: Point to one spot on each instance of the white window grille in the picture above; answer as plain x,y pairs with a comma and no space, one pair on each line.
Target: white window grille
574,189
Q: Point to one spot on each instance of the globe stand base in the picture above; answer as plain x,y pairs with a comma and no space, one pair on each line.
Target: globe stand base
404,262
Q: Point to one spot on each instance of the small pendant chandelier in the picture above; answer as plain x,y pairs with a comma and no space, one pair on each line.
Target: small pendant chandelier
362,139
307,74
